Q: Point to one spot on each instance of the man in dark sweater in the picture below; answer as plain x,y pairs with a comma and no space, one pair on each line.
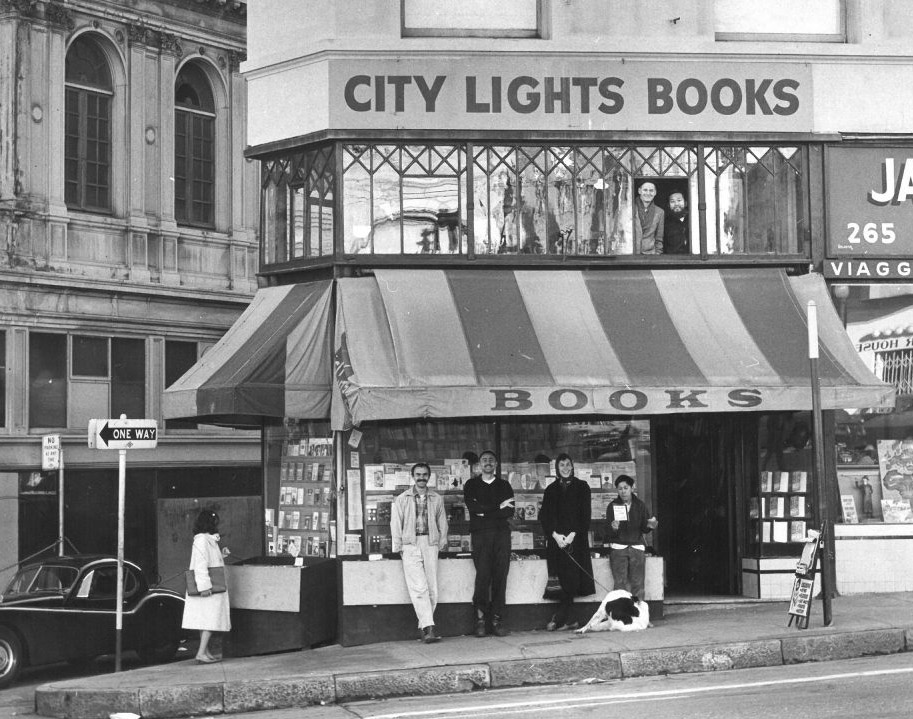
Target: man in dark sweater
629,519
677,231
490,501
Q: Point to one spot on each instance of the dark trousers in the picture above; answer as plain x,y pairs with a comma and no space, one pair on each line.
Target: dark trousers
491,557
628,569
564,611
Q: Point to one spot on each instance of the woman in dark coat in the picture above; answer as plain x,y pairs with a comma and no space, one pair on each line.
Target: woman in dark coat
565,518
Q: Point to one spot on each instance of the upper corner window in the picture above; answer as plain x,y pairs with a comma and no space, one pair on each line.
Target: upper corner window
810,20
472,18
194,148
87,130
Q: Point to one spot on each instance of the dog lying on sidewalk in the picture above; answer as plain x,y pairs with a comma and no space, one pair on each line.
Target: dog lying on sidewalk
619,612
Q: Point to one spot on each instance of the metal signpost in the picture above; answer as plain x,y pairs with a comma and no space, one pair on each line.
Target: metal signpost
121,434
52,458
827,552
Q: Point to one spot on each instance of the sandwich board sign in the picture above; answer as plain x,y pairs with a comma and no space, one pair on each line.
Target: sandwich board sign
800,600
123,433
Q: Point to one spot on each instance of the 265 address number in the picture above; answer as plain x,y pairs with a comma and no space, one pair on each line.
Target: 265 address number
871,232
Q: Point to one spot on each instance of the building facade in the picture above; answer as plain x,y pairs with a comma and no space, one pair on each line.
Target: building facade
564,226
128,216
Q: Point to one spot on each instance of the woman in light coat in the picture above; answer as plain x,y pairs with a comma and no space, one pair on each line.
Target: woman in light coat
206,612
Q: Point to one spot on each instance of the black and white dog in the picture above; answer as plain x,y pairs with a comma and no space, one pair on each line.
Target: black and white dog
619,612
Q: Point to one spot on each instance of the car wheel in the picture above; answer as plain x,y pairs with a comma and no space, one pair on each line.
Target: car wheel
10,657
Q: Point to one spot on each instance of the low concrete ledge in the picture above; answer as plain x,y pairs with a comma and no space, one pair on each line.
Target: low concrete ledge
554,670
412,682
710,658
85,703
165,702
279,693
848,645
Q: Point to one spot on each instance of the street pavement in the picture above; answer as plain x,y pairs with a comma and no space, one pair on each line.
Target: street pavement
690,638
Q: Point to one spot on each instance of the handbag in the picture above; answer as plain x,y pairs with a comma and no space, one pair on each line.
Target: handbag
216,576
553,589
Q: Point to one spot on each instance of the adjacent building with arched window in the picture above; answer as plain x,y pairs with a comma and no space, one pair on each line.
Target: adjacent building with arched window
128,228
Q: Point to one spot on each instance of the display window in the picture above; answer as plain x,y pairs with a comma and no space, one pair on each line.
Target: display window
874,449
379,458
478,199
301,497
780,499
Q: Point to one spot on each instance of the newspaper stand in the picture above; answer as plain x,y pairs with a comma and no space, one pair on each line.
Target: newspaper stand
800,602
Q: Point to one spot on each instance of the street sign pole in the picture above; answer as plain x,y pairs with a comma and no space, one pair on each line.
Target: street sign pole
121,434
827,551
119,612
60,505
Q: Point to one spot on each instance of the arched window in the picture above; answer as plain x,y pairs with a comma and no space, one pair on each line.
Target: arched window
194,148
87,147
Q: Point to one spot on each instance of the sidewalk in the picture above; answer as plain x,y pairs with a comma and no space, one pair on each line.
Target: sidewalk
687,639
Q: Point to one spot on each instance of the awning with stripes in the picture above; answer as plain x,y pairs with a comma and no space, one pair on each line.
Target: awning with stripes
275,361
475,343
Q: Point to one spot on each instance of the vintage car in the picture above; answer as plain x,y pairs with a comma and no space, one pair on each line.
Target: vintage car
63,609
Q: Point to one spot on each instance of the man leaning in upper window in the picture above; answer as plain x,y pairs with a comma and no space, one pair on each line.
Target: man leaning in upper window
677,233
649,222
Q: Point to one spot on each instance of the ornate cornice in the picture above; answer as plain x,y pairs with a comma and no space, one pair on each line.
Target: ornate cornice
58,16
138,34
170,43
26,8
235,58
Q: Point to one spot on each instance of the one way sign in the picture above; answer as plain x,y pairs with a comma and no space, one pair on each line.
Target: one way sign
123,433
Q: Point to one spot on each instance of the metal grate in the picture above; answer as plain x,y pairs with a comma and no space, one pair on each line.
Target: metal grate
896,368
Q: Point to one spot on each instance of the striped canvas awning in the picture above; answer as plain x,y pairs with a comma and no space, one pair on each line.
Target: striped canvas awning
275,361
475,343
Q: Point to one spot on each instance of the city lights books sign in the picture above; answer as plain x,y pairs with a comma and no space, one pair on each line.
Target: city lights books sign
571,93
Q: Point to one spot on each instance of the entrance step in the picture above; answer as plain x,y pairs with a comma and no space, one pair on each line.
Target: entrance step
695,603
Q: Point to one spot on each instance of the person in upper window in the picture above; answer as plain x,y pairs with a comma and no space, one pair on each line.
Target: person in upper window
677,229
649,222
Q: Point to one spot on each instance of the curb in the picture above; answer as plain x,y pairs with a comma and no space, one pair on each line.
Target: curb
250,695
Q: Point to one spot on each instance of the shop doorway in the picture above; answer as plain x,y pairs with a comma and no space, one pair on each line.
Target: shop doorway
699,459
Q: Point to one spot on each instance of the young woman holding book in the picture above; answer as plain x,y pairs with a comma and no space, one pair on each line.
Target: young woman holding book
207,611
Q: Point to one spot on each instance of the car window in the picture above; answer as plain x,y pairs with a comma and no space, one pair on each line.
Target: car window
104,585
46,578
22,581
51,578
101,583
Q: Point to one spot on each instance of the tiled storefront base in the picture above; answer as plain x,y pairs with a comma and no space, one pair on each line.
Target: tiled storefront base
873,558
770,577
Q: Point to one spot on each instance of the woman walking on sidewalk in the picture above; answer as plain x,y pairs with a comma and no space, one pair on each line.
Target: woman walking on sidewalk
206,612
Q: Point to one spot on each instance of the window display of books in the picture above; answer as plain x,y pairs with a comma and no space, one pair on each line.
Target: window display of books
383,482
306,498
780,511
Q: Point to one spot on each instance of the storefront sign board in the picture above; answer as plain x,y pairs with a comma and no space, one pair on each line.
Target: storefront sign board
869,269
870,210
569,93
